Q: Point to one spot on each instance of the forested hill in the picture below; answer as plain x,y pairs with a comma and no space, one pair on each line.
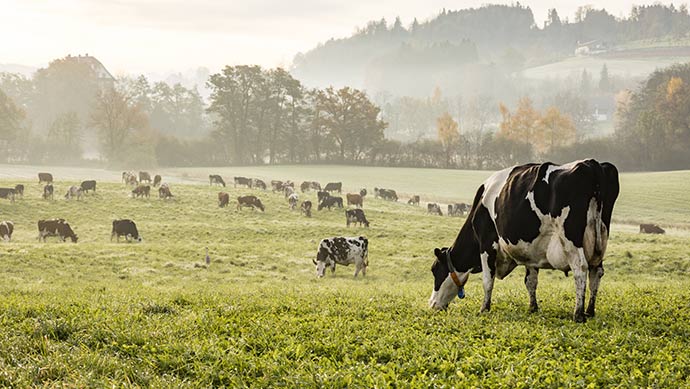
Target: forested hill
461,48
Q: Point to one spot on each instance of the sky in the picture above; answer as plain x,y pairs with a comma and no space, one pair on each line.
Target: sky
148,36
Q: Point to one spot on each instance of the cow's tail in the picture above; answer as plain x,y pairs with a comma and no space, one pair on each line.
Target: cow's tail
599,185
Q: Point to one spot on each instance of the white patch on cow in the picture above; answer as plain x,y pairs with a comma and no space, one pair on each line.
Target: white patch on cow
447,291
487,279
492,189
553,168
357,254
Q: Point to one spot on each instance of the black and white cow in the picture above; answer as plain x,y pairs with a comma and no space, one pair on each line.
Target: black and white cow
7,193
434,208
215,179
541,216
343,251
6,230
354,216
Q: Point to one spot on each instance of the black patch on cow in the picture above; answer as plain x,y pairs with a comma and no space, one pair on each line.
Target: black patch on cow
512,205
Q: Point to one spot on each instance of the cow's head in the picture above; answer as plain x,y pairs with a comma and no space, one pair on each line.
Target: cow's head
446,287
260,205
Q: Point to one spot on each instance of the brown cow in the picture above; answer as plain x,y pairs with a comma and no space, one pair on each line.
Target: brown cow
141,191
144,176
223,199
306,208
249,201
164,192
651,229
355,199
414,200
45,177
157,180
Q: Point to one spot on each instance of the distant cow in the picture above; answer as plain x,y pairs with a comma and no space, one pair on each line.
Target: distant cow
72,192
315,185
322,194
651,229
458,209
131,179
333,187
353,216
45,177
141,191
144,176
276,186
6,230
414,200
363,192
243,181
249,201
386,194
126,228
48,191
55,227
292,200
305,186
434,208
342,251
88,185
19,190
306,208
355,199
164,192
215,179
288,191
329,202
223,199
259,184
157,180
7,193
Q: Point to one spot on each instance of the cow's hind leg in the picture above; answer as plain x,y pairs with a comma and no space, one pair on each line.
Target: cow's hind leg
531,281
595,275
580,268
488,276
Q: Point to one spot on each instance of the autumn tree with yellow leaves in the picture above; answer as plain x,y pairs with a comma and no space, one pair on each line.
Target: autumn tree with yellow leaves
448,135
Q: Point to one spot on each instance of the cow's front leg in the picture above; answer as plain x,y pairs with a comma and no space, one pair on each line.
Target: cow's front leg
594,279
580,274
531,281
488,277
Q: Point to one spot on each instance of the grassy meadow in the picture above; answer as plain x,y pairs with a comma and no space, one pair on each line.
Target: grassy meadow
99,313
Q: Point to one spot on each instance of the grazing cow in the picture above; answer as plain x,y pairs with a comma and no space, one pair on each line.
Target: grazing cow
342,251
141,191
315,185
329,202
320,195
458,209
7,193
249,201
292,200
356,216
126,228
164,192
276,186
333,187
6,230
144,176
73,192
386,194
157,180
48,191
243,181
414,200
259,184
55,227
355,199
306,208
223,199
45,177
434,208
19,190
363,192
288,191
215,179
132,180
305,186
88,185
541,216
651,229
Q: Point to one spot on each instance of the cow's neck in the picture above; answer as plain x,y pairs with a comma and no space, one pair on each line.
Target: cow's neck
464,254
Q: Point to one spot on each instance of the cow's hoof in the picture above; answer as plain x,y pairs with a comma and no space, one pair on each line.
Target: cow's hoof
580,317
589,312
533,308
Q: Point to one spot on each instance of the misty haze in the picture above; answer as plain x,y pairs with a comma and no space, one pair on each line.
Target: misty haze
218,194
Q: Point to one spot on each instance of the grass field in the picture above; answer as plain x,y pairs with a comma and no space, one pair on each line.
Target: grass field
101,314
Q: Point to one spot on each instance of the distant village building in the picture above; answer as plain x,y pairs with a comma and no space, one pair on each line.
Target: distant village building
105,79
590,48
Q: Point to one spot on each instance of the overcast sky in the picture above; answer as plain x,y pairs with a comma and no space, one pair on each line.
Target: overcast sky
138,36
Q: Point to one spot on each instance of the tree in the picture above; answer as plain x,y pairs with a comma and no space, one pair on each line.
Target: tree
604,81
11,118
121,124
557,130
523,125
448,135
64,135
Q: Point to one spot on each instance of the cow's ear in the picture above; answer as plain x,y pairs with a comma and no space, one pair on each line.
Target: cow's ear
437,252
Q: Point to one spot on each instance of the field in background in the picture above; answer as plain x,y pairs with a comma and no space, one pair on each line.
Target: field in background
153,314
661,197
